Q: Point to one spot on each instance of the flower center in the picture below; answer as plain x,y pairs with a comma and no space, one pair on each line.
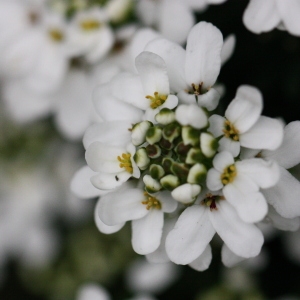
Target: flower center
56,35
230,131
90,25
210,201
125,162
197,88
157,100
229,174
151,202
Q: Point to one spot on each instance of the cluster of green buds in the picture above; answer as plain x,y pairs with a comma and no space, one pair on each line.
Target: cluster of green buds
173,156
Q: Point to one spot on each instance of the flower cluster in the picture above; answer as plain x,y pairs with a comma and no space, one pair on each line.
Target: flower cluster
165,160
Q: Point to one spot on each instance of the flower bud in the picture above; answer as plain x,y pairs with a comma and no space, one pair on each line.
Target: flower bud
156,171
153,151
170,182
141,158
153,135
165,116
138,132
151,185
186,193
208,144
190,136
197,174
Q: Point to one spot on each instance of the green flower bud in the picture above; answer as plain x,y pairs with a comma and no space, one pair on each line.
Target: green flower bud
197,174
156,171
141,158
209,144
138,132
153,135
170,182
171,132
151,185
165,116
153,151
190,136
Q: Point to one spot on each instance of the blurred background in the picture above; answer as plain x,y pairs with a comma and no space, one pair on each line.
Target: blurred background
49,243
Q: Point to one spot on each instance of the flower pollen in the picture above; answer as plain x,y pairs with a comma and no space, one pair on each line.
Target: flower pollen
229,174
151,202
56,35
90,25
157,100
125,162
230,131
210,201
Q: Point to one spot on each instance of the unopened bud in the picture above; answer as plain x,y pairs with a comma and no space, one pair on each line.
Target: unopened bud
156,171
165,116
153,151
209,144
141,158
197,174
151,185
153,135
170,182
186,193
138,132
190,136
194,156
171,132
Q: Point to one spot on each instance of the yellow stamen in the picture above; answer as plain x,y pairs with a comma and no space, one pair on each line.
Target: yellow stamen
56,35
229,174
125,162
89,25
157,100
230,131
151,202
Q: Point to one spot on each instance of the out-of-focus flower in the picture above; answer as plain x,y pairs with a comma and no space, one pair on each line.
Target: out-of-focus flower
263,16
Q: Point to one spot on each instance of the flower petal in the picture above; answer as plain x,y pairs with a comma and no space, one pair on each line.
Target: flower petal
245,109
251,206
203,55
186,193
213,180
190,236
243,239
210,99
264,173
121,206
147,232
285,155
203,261
153,73
102,227
106,181
175,20
191,115
222,160
81,184
229,258
227,144
168,204
284,196
216,125
289,11
115,133
228,48
261,16
267,133
174,57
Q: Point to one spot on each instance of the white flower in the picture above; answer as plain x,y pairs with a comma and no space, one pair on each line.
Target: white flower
90,35
149,90
262,16
146,212
173,18
243,125
284,196
91,291
193,72
240,182
198,224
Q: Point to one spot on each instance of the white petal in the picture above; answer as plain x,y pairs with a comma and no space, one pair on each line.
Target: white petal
153,73
175,20
190,236
147,232
261,16
203,261
284,196
223,160
105,181
92,292
243,239
264,173
102,227
210,99
174,57
186,193
267,133
191,115
121,206
128,88
289,11
115,110
216,125
251,206
228,48
168,204
103,158
213,180
285,155
115,133
160,254
245,109
229,145
229,258
81,184
278,221
203,55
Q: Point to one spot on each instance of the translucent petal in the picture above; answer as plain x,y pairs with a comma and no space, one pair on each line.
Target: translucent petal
228,48
230,259
203,261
